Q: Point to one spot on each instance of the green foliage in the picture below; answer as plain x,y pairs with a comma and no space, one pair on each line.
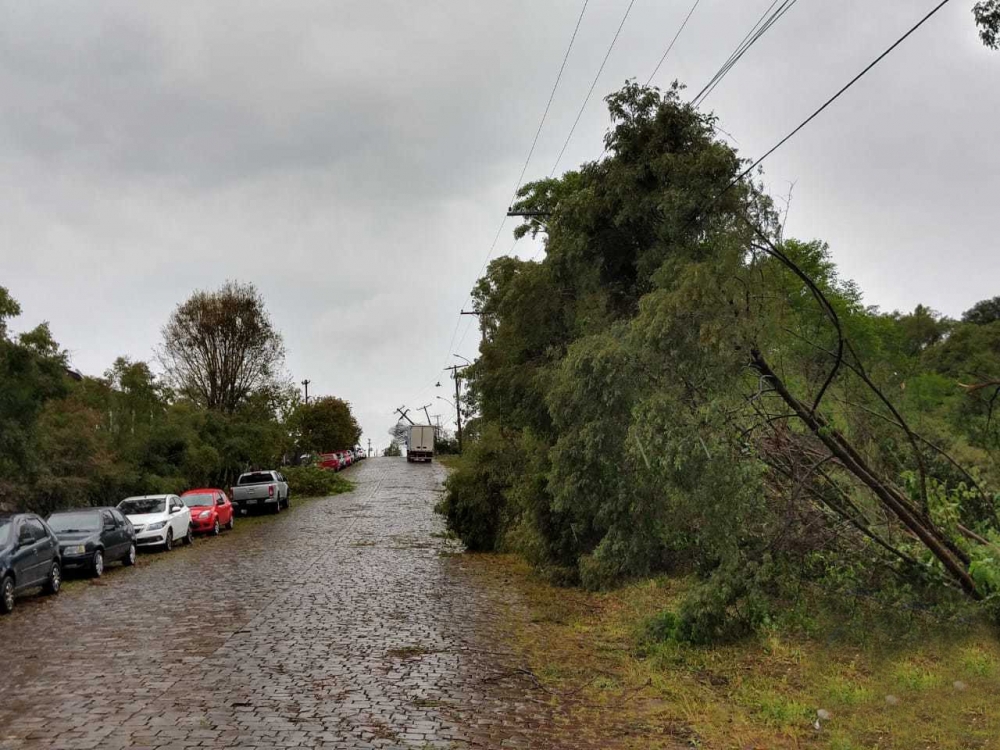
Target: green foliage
393,450
324,425
310,481
987,15
620,432
65,443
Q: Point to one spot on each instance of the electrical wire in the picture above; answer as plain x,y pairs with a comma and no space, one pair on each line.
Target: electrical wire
592,87
763,25
552,95
831,100
527,161
673,42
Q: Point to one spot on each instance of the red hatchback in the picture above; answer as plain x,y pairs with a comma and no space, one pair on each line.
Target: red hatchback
210,510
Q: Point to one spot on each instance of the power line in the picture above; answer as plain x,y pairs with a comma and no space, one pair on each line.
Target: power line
592,87
764,23
527,160
833,98
552,95
673,42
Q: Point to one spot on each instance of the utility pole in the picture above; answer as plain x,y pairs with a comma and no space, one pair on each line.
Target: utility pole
458,404
306,383
427,413
369,447
403,414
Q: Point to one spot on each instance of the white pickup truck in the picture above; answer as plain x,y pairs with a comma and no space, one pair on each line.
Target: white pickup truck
261,489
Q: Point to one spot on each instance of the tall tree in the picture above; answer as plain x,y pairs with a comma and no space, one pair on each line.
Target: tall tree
326,424
219,348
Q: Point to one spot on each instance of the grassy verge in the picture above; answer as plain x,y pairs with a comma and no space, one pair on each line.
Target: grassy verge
883,679
450,461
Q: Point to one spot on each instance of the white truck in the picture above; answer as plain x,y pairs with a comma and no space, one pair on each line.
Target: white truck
261,489
420,446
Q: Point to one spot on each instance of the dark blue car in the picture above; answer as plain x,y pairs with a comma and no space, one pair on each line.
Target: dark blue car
90,538
29,557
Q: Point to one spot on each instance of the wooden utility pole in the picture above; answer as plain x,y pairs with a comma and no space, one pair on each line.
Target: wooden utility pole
458,404
403,414
306,383
369,447
427,413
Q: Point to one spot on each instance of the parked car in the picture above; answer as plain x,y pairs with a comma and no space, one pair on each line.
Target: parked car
330,461
158,520
29,557
261,489
210,510
90,538
346,458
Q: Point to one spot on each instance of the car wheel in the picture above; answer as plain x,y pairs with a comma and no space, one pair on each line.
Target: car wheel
277,506
217,529
130,556
288,500
97,564
189,537
168,544
232,521
54,582
7,595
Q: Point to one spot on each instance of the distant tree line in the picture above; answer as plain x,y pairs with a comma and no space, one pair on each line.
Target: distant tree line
676,386
222,405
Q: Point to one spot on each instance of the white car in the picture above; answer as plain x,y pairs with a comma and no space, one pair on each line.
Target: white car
159,520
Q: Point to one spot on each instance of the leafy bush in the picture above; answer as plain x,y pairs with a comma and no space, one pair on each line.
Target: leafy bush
311,481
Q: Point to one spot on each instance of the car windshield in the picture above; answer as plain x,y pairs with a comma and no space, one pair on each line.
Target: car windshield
259,477
136,506
6,524
198,499
64,523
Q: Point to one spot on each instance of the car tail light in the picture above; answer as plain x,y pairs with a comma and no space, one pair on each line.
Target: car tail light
270,490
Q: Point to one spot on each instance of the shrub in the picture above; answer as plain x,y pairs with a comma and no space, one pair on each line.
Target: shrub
310,481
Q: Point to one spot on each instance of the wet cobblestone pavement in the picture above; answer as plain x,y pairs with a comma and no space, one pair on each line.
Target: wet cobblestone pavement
344,623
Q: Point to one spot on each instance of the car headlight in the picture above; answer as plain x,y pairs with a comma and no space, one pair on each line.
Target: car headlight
205,514
76,549
155,526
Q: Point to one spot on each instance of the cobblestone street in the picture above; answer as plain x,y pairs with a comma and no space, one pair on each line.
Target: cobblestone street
344,623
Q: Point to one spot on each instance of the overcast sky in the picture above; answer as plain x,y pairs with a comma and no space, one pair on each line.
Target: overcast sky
355,159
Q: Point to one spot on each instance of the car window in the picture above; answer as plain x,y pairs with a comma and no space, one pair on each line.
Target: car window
36,528
108,520
258,477
75,522
197,499
220,499
136,506
119,518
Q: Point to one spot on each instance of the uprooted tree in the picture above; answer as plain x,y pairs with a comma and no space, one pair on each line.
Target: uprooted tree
675,385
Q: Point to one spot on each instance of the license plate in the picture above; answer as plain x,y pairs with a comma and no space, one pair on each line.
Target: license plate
252,501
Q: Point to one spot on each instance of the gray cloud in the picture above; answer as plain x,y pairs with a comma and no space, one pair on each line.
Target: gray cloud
352,158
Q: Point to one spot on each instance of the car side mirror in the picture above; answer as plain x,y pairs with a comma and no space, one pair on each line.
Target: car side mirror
174,510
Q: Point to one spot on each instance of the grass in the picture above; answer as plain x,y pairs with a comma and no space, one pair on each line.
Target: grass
883,678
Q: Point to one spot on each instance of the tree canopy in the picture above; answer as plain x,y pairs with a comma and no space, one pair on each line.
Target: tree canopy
676,385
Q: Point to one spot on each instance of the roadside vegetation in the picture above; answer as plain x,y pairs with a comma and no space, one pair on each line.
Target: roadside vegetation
678,388
839,673
218,404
